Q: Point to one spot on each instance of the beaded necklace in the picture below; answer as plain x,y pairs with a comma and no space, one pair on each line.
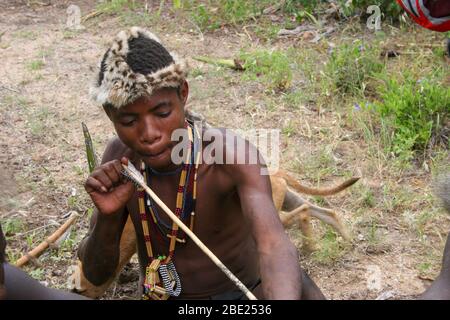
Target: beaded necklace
161,278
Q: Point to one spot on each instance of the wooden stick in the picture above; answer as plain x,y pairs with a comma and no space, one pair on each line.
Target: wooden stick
191,235
91,15
36,252
233,64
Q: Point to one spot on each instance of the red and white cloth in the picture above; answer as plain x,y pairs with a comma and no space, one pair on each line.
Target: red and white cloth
420,13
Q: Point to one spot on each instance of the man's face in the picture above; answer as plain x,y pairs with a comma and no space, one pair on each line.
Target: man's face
146,125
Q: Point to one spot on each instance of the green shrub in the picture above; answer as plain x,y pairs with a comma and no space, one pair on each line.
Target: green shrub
117,6
330,248
237,11
351,67
269,67
390,9
291,6
210,15
298,8
414,115
12,226
204,19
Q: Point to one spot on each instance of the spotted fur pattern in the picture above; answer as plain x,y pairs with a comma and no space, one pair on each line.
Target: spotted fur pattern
121,86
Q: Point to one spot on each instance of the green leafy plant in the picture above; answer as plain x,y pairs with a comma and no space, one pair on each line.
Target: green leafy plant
12,226
237,11
413,115
116,6
330,248
37,274
210,15
351,67
269,67
35,65
389,9
177,4
204,18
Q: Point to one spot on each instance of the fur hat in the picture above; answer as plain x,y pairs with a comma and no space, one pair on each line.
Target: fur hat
136,64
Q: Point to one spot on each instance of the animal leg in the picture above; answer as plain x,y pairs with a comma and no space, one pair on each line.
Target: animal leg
301,216
288,218
330,217
326,215
309,241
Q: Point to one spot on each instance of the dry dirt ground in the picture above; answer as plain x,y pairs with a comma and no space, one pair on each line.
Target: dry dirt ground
398,228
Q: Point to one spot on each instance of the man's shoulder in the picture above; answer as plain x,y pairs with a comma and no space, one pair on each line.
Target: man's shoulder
230,139
230,152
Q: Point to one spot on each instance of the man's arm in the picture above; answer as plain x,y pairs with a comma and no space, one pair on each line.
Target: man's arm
16,284
99,251
20,286
279,265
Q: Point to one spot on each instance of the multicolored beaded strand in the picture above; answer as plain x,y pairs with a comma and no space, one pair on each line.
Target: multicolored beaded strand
161,270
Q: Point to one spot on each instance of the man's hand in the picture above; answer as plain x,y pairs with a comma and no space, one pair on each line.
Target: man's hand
109,190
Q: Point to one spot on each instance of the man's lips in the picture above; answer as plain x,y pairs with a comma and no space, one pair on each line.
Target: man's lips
154,154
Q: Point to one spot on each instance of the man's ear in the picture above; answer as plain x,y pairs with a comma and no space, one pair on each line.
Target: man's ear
184,92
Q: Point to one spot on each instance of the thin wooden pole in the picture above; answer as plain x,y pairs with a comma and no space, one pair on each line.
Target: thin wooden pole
36,252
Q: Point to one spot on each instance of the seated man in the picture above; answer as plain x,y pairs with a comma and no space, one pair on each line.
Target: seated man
143,90
17,285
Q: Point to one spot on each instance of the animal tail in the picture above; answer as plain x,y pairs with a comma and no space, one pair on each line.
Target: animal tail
293,183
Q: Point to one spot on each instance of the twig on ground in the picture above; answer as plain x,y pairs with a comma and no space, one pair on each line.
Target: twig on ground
10,89
36,252
230,63
33,230
91,15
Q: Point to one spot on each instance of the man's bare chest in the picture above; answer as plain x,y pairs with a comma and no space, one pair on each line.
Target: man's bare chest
216,207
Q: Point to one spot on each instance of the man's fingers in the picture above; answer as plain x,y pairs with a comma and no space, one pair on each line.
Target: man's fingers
94,185
106,177
124,160
113,172
119,169
126,189
103,178
118,166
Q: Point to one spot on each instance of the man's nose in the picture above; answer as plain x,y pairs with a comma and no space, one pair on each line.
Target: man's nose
150,132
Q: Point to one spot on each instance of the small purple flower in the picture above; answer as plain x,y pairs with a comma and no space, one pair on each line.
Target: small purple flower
357,107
